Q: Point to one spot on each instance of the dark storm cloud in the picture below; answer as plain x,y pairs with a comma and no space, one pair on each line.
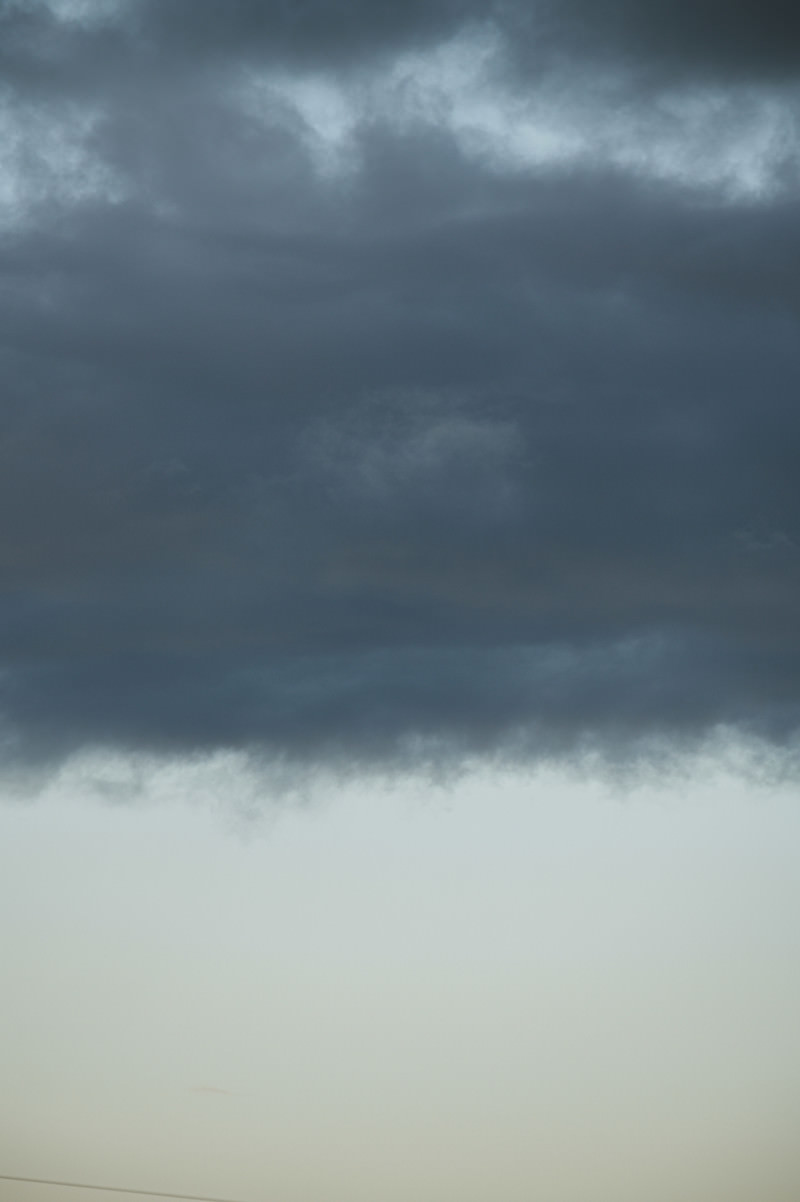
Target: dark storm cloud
432,452
323,31
703,39
725,37
719,38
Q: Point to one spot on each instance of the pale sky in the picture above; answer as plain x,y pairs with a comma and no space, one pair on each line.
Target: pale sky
521,985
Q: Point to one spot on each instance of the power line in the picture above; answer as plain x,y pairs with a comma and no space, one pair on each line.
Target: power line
113,1189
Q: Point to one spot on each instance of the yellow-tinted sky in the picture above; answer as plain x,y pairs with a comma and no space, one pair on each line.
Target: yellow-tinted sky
521,987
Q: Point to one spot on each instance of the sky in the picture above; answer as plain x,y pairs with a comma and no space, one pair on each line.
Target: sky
400,555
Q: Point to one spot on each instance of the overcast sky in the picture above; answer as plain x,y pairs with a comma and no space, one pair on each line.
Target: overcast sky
399,391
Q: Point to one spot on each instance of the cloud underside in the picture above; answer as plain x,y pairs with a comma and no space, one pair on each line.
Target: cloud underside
389,377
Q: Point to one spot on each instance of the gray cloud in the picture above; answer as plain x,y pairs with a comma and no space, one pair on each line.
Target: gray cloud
46,41
737,39
724,38
439,450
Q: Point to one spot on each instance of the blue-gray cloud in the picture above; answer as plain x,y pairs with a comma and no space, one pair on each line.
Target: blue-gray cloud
436,450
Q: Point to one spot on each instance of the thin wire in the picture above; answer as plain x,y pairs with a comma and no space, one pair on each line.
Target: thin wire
113,1189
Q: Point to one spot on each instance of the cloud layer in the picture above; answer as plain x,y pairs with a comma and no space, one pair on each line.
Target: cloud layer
395,376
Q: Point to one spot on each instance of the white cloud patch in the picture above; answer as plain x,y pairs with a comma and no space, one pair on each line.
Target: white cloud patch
50,156
740,142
